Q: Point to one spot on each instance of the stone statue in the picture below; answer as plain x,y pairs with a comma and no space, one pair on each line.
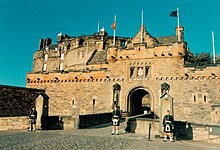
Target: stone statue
165,88
116,92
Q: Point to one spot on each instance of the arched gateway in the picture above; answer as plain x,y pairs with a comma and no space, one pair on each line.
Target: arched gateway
139,101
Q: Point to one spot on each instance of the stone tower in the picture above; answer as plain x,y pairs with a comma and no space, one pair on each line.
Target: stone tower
85,72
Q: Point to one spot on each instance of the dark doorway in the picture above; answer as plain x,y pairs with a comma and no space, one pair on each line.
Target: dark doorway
138,102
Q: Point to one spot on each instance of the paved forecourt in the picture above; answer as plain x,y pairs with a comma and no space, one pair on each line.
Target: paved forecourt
97,138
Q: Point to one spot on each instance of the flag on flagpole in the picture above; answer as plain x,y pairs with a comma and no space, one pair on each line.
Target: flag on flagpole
173,14
114,25
176,14
114,28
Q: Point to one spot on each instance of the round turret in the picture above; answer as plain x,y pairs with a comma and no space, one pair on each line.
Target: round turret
112,54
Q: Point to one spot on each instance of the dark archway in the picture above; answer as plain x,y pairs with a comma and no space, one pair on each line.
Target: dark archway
139,101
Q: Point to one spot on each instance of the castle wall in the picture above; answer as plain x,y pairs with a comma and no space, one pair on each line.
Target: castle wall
193,99
88,85
92,92
14,123
67,92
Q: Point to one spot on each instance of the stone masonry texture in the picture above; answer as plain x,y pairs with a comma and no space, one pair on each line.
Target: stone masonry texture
79,72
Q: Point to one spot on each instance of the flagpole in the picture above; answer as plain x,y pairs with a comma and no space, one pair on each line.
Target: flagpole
114,32
178,24
213,47
98,27
142,25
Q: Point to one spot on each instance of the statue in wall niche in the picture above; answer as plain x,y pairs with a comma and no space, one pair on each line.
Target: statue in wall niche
116,92
115,98
165,88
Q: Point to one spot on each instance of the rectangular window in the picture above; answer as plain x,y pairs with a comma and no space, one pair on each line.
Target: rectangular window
122,43
45,57
93,102
44,67
194,98
146,71
131,71
62,57
204,98
140,71
61,66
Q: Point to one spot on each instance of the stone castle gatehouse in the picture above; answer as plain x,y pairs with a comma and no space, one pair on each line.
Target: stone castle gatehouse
87,75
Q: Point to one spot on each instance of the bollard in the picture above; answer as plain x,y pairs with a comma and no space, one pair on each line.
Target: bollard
149,132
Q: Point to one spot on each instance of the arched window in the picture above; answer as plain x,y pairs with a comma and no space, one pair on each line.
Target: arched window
73,102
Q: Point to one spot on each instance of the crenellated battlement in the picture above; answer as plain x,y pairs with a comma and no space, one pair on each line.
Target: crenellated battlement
74,53
139,74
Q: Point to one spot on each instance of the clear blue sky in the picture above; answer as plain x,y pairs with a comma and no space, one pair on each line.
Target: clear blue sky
24,22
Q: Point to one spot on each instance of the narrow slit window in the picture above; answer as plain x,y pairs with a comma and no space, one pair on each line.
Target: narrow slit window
61,66
131,71
205,98
45,57
44,67
62,57
146,71
194,99
93,102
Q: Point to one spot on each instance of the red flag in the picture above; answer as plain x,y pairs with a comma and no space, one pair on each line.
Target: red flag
114,25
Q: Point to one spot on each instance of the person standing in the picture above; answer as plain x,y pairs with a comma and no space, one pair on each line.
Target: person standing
32,119
116,116
168,121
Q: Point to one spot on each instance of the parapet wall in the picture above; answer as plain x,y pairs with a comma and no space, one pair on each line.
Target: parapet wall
17,101
182,130
94,119
207,133
14,123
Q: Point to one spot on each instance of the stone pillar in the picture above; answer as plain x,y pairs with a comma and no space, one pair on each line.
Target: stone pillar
41,104
75,116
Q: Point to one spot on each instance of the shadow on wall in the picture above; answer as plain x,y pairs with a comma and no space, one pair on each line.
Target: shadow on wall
51,123
131,125
90,120
67,122
183,130
132,122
